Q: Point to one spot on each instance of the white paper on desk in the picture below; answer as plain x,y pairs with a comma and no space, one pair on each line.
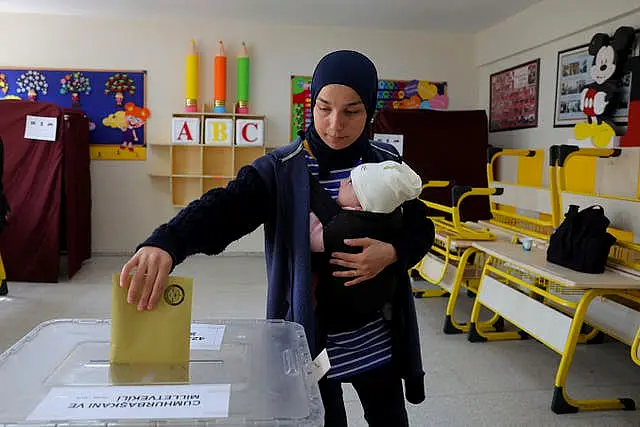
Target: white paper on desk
134,402
390,138
41,128
206,337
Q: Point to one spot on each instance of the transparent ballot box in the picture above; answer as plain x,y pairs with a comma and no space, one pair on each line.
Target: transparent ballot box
241,373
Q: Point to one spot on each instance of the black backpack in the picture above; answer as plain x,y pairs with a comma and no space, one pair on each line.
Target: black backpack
582,242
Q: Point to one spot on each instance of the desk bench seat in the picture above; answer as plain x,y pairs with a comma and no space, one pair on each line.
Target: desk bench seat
452,263
551,303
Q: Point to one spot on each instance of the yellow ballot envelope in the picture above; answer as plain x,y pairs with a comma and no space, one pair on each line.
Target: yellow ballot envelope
160,336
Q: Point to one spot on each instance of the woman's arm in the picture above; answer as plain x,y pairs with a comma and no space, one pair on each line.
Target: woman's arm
418,233
221,216
207,225
413,243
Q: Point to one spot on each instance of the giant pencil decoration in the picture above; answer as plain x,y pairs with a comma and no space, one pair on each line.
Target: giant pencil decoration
243,80
220,80
191,80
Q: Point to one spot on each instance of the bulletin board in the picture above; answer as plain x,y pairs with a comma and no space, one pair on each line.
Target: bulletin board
392,94
513,97
114,101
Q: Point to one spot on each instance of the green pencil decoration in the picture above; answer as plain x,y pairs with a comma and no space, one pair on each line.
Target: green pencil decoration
243,81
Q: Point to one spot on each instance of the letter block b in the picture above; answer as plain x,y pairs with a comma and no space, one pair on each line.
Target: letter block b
218,131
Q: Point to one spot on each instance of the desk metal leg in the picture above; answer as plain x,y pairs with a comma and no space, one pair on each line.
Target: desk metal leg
425,293
562,403
595,336
635,348
476,331
450,274
4,288
429,293
451,326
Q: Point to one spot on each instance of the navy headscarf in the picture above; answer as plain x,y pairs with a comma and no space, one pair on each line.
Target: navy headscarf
352,69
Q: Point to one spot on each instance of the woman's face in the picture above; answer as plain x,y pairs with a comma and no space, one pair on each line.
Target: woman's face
339,116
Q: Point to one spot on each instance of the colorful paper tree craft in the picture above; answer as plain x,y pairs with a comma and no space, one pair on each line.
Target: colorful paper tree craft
75,84
119,84
32,83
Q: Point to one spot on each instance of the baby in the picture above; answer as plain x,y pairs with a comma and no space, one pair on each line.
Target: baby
369,207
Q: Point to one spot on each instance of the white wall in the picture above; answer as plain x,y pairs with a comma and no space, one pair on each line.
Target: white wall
128,204
541,32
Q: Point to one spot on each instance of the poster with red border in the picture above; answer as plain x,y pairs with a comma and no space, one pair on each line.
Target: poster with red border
513,97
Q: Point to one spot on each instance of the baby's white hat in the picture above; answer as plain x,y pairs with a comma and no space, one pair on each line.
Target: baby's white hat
382,187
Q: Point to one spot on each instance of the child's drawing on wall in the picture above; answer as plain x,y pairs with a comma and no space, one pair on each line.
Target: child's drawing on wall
128,121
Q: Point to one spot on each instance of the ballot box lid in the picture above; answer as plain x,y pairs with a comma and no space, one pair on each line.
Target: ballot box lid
241,373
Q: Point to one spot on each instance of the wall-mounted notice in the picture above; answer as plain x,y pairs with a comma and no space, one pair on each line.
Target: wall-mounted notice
41,128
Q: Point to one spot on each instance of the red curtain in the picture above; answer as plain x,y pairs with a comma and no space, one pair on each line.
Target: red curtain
632,137
443,146
77,189
36,181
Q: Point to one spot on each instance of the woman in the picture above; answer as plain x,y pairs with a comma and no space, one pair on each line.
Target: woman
344,88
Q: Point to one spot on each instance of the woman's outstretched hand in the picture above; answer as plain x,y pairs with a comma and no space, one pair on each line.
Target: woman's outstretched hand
374,258
152,266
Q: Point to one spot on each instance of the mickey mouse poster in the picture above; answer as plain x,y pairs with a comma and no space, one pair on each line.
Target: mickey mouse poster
599,99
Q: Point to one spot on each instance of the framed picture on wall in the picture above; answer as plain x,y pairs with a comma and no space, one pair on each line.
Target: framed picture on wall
513,97
573,73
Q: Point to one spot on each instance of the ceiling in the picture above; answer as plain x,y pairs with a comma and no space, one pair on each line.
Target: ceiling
468,16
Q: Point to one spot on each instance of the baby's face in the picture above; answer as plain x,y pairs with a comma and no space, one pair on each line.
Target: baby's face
346,196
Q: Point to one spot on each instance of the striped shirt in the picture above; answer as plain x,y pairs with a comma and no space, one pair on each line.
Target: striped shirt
369,346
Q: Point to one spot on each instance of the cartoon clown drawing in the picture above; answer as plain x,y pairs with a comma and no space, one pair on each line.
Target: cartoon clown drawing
129,121
136,117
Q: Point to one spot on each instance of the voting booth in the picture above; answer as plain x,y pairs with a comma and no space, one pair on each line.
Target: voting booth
240,373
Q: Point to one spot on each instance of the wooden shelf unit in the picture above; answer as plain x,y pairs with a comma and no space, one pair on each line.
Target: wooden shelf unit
195,168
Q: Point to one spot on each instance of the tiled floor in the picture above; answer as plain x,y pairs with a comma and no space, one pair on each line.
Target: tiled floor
491,384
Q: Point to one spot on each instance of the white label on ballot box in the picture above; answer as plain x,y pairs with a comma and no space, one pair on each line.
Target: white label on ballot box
320,366
41,128
206,337
134,402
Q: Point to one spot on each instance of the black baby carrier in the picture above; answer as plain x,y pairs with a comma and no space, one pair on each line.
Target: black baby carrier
341,306
582,242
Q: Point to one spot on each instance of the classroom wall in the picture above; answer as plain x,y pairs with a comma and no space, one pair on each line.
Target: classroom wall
541,32
127,202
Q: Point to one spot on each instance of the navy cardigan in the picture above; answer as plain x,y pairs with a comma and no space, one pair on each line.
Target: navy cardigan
274,191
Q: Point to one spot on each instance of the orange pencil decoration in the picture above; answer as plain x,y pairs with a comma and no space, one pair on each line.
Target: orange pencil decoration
191,80
220,80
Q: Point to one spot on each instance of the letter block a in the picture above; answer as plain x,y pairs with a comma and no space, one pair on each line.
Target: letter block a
185,130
